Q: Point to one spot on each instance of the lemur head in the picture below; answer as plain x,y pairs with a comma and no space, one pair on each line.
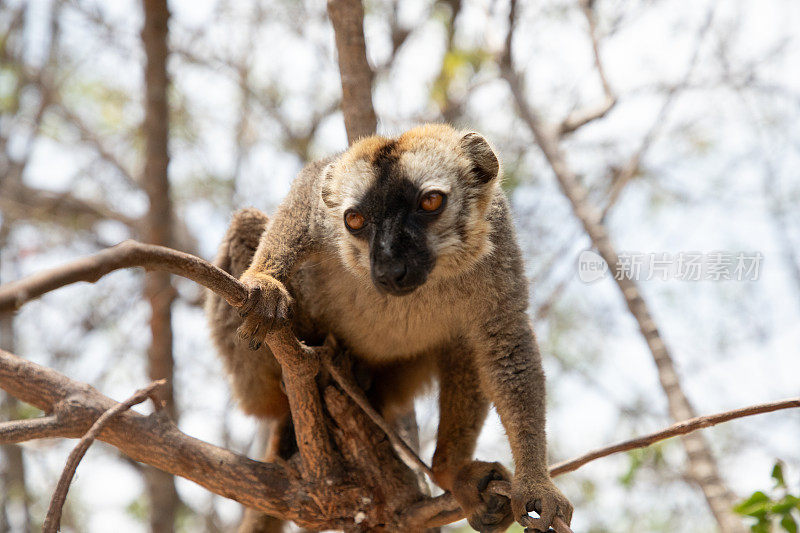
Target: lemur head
414,208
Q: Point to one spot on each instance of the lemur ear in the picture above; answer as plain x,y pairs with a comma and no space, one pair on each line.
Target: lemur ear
329,197
486,166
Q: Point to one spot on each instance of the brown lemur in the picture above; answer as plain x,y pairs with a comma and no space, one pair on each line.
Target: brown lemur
404,250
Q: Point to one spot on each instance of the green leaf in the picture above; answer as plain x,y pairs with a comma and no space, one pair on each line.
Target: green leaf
777,474
761,527
756,505
788,523
785,505
636,458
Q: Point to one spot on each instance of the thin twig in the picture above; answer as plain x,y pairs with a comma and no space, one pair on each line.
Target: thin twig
357,395
441,510
581,117
53,520
632,166
681,428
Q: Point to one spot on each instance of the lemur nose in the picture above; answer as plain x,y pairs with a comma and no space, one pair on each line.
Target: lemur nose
397,272
390,275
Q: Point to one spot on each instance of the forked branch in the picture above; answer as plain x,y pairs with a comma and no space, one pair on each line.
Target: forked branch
52,521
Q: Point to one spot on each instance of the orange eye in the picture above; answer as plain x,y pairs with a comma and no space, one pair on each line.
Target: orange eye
432,201
354,220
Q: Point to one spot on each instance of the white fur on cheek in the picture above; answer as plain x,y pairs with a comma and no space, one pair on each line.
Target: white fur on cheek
357,263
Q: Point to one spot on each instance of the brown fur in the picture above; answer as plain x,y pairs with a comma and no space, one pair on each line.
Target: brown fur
466,324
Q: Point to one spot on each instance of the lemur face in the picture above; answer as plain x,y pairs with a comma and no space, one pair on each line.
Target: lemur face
412,209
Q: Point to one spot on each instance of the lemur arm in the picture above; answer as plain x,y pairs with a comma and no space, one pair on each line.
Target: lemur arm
513,377
293,231
291,236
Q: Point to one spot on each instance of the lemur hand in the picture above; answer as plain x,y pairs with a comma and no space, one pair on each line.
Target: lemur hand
485,510
539,494
268,307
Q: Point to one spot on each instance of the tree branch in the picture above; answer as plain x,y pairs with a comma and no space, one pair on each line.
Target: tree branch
579,118
30,429
681,428
124,255
156,441
632,166
347,17
357,395
300,363
52,521
158,228
442,510
703,469
297,359
28,202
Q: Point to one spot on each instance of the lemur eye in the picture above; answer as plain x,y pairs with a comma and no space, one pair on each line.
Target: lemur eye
354,220
431,201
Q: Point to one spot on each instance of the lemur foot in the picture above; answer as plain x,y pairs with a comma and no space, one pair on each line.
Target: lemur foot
539,494
485,511
268,307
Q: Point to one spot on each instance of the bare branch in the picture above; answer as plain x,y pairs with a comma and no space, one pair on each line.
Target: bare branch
53,519
125,255
347,17
632,166
98,144
156,441
134,254
158,228
433,512
30,203
703,469
681,428
300,365
30,429
582,117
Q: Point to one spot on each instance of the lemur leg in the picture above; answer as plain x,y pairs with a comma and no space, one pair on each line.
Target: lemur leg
462,412
391,388
255,375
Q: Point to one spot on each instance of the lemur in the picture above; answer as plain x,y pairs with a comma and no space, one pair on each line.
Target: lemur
403,249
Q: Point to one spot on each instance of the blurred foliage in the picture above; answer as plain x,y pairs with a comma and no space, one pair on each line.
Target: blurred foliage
775,510
9,89
652,456
458,67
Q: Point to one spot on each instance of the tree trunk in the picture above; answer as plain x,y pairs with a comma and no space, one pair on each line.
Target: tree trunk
15,490
347,18
158,289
